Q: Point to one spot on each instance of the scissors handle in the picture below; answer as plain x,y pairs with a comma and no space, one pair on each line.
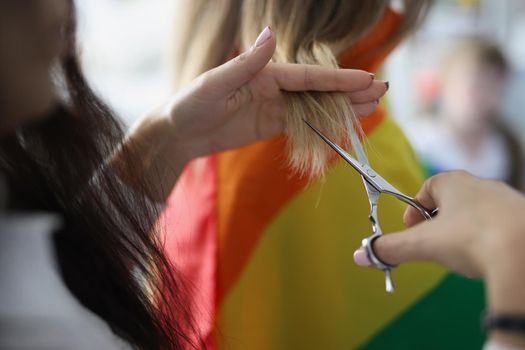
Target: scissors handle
368,242
427,214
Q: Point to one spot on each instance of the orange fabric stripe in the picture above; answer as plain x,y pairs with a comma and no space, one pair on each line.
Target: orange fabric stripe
243,174
369,54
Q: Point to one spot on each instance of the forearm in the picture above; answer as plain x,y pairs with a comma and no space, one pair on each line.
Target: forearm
152,157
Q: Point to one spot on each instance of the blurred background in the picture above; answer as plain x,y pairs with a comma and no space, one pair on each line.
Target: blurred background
125,52
415,64
458,88
457,85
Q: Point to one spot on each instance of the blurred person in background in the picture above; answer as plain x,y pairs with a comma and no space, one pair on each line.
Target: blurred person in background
468,130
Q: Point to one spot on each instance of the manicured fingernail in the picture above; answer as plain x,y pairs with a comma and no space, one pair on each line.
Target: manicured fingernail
361,258
264,36
387,84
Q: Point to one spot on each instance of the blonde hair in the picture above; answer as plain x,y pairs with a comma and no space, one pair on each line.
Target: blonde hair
307,30
476,50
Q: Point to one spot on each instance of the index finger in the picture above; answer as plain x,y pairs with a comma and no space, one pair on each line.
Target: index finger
425,197
434,191
309,77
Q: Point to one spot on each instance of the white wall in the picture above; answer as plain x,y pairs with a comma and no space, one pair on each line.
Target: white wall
125,51
502,20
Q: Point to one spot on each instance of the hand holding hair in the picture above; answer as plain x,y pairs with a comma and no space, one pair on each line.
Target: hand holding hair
238,103
479,232
242,101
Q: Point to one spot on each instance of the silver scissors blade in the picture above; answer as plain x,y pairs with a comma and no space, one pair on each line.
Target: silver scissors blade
368,174
374,185
372,178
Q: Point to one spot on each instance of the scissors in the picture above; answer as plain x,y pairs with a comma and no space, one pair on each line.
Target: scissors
374,185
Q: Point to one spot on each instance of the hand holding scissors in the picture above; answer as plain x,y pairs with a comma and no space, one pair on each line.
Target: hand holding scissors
374,185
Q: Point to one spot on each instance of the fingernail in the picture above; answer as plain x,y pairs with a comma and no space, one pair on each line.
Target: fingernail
361,258
387,84
264,36
372,75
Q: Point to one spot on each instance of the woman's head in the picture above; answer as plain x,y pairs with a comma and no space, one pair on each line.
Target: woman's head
109,251
474,78
307,32
31,39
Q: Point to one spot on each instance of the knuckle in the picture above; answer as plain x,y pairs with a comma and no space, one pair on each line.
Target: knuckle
431,182
247,94
457,176
239,97
431,185
204,79
463,174
308,80
241,58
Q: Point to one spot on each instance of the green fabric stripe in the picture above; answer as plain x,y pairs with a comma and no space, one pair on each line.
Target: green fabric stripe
446,318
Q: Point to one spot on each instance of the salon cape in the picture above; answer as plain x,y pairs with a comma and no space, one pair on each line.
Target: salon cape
269,255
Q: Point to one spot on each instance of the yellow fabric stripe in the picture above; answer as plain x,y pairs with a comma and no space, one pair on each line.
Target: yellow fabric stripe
301,289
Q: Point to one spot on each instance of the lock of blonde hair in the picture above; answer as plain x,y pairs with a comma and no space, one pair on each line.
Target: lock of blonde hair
307,32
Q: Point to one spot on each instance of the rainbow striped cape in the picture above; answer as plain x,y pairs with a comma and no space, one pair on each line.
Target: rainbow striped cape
269,255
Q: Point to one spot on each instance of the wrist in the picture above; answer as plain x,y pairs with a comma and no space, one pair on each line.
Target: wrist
505,282
505,279
505,299
159,137
157,152
507,338
188,146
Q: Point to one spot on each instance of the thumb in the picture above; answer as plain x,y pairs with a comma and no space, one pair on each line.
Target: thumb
241,69
413,244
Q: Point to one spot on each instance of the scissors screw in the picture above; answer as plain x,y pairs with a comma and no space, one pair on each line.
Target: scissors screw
370,173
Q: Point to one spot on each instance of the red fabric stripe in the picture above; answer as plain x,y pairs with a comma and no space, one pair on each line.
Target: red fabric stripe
191,238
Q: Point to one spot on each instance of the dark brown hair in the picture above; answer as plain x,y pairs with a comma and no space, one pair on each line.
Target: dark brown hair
109,253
